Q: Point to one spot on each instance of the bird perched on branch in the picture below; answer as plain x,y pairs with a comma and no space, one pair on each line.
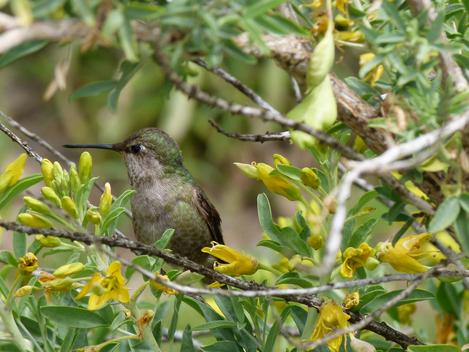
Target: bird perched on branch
167,195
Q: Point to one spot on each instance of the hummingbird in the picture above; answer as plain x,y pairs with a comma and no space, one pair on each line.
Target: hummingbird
167,196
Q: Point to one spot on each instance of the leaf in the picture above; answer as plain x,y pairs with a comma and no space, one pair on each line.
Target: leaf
128,70
43,8
8,258
462,230
380,300
278,24
445,215
93,89
392,11
216,324
174,319
290,171
73,317
260,7
163,242
275,331
293,278
361,234
21,50
433,348
222,346
111,219
449,299
187,344
19,244
18,188
436,27
364,199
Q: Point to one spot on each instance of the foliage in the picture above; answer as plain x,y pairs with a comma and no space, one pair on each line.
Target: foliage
90,300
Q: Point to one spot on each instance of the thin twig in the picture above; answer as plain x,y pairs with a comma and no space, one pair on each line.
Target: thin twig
20,142
261,138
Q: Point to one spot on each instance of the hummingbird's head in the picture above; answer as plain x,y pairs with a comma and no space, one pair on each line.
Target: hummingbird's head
148,150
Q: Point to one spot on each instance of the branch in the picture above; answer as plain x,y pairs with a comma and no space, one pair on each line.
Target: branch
261,138
250,289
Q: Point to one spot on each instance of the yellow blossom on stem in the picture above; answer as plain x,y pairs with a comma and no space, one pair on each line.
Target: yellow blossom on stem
104,289
409,253
316,241
48,241
34,220
234,263
160,287
354,258
28,263
350,36
68,269
331,317
50,194
12,172
84,167
93,216
351,300
47,171
375,73
280,160
277,183
24,291
106,199
342,5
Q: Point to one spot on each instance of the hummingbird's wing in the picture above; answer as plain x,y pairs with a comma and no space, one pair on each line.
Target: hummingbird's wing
209,214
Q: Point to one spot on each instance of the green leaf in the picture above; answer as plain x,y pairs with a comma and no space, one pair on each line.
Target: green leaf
127,71
437,26
187,343
73,317
18,188
19,244
83,194
361,234
111,220
462,230
293,278
464,201
449,298
380,300
222,346
433,348
392,11
216,324
174,319
445,215
42,8
260,7
21,50
289,171
280,25
7,258
163,242
275,331
93,89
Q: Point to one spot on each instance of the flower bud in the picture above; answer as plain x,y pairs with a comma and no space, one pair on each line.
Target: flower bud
280,160
57,172
50,194
47,171
34,220
316,241
331,203
106,200
48,241
13,172
84,167
70,207
68,269
372,263
74,179
351,300
248,169
309,177
93,216
321,60
36,205
28,263
60,284
24,291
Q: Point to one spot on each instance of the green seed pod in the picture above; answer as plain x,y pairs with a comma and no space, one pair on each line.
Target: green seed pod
309,177
85,166
70,207
74,180
93,216
321,60
34,220
36,205
47,171
50,194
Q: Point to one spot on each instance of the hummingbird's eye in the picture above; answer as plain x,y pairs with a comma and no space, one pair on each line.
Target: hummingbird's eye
137,148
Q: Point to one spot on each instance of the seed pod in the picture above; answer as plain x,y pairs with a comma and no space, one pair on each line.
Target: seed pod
50,194
106,200
47,171
36,205
321,60
34,220
85,166
70,207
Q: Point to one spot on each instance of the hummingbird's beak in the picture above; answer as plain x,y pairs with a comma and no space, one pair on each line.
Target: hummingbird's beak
114,147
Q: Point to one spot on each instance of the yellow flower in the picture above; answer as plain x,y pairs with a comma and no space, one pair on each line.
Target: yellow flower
316,241
280,160
404,313
68,269
331,317
93,216
47,171
12,172
104,289
309,177
28,263
34,220
24,291
277,183
351,300
410,253
106,199
84,167
160,287
374,74
50,194
354,258
248,169
36,205
234,262
349,36
342,5
70,207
